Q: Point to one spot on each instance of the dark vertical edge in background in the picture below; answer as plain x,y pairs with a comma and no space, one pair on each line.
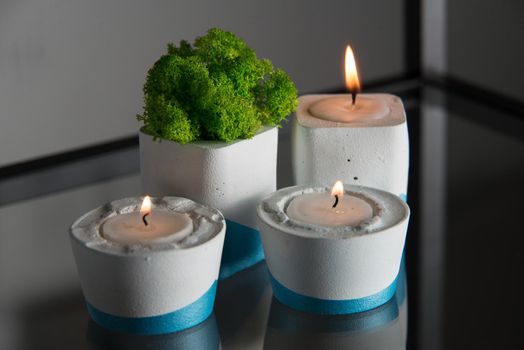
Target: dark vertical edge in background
412,62
412,35
412,242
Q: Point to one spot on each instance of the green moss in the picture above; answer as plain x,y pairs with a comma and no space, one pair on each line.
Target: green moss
215,90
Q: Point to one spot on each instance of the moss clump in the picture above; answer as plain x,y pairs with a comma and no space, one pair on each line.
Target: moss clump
216,89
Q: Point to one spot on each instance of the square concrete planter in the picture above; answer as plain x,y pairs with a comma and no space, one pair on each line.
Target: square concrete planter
232,177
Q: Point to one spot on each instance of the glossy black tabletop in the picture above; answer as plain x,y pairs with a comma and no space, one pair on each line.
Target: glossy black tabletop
463,259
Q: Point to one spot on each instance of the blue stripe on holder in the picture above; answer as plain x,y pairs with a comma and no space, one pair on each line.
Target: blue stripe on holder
292,321
184,318
331,307
242,249
400,294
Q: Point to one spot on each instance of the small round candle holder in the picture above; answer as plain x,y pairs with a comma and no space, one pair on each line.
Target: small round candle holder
149,288
370,151
334,270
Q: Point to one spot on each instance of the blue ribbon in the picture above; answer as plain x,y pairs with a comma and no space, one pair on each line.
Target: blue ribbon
331,307
184,318
403,196
242,249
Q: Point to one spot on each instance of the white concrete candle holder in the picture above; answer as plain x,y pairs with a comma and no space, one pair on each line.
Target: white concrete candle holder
232,177
155,288
333,270
370,150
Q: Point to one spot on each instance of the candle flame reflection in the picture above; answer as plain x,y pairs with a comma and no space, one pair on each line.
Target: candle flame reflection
338,189
145,209
352,81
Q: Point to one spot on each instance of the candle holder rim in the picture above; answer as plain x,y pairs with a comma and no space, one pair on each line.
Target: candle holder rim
269,219
103,246
304,105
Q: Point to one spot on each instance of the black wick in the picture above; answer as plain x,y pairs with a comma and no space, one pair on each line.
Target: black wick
144,218
353,97
336,201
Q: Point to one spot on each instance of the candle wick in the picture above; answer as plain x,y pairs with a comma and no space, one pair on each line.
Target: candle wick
336,201
144,219
353,97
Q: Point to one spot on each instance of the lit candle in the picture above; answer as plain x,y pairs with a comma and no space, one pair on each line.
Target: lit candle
149,270
330,209
147,226
358,138
330,256
352,109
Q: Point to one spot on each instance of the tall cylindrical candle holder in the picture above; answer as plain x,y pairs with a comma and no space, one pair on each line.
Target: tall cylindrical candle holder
232,177
363,144
136,283
326,259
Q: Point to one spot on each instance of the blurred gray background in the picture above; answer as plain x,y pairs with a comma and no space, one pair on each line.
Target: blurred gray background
71,72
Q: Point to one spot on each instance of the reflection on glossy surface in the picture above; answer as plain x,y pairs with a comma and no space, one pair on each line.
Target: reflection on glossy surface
57,322
242,307
204,336
380,328
401,296
376,329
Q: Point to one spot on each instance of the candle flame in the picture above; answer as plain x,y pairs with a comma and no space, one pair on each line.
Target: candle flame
338,189
352,81
145,209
